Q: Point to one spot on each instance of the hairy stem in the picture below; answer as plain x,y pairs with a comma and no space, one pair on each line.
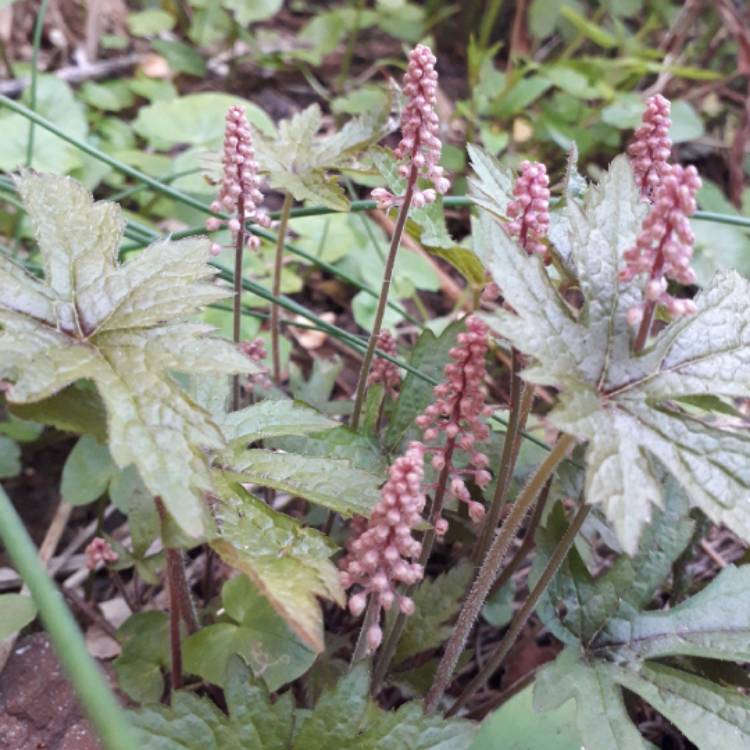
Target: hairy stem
550,569
239,250
521,399
490,568
390,261
527,544
276,289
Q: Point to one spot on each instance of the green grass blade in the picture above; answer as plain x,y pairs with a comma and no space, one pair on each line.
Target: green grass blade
37,42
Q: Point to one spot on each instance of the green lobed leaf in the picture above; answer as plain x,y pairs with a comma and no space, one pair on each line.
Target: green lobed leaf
578,605
621,403
341,443
516,725
77,408
491,184
601,715
344,718
195,119
87,472
715,623
272,418
299,160
328,482
256,632
123,327
712,717
16,612
290,564
193,723
145,652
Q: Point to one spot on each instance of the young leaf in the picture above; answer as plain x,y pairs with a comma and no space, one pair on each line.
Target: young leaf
298,160
715,623
324,481
345,718
272,418
256,632
87,472
16,612
290,564
145,651
437,602
620,402
10,458
193,723
122,326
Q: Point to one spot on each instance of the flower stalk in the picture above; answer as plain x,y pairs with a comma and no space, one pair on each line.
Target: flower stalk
490,569
419,150
521,399
241,198
385,288
521,617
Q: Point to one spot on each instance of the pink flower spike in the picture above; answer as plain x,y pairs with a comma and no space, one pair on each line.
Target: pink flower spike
455,420
651,146
240,186
385,372
99,552
420,146
664,247
529,211
379,550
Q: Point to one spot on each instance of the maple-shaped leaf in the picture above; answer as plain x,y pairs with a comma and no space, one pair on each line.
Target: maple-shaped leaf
290,564
626,405
300,161
123,326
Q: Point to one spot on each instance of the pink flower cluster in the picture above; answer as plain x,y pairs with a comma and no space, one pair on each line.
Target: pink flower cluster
385,372
99,552
650,149
455,417
529,211
664,247
381,551
240,193
420,144
256,351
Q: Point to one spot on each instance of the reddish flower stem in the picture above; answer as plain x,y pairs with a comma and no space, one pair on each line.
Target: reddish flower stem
490,568
383,299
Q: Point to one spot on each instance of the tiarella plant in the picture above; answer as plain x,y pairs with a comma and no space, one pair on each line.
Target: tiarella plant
344,566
